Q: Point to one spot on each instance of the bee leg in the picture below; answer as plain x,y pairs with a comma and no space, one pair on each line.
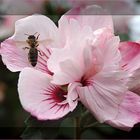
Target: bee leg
40,53
26,48
37,45
37,37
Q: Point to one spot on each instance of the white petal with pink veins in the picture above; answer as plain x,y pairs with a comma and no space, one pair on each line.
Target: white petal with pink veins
87,58
103,95
12,50
16,58
41,98
68,59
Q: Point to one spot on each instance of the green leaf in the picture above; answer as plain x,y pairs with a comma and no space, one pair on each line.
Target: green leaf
31,133
41,129
33,122
49,129
87,119
67,128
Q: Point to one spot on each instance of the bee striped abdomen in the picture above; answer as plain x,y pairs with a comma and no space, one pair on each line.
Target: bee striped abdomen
33,56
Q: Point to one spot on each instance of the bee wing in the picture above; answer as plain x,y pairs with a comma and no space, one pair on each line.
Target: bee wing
22,44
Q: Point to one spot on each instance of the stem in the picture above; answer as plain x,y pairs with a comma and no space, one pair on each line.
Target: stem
77,128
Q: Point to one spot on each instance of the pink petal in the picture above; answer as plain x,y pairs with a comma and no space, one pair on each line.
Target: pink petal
35,24
41,98
93,16
16,58
134,82
86,55
72,97
129,112
42,63
13,57
130,52
63,62
106,51
103,96
69,73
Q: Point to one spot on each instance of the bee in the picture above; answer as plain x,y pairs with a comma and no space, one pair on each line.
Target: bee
33,51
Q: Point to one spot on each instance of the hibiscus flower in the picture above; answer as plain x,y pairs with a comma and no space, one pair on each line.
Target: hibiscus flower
82,61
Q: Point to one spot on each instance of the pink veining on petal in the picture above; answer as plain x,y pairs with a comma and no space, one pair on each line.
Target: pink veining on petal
94,63
13,54
15,58
43,60
41,98
56,93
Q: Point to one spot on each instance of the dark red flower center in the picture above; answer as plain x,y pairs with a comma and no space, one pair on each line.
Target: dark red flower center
85,82
57,94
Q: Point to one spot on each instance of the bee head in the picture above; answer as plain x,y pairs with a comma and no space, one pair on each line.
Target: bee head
31,37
